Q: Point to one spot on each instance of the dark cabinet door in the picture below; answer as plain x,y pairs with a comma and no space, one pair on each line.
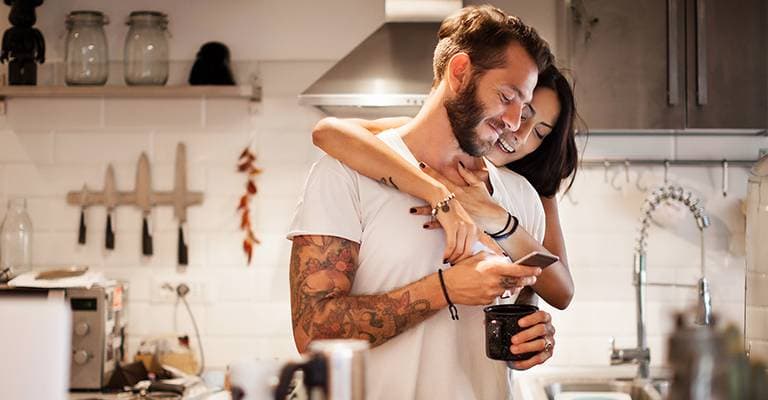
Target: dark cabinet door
628,63
727,64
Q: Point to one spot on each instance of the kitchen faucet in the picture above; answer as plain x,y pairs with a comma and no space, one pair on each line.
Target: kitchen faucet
641,354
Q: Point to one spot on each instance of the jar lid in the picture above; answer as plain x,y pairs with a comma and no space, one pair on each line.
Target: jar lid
87,16
147,16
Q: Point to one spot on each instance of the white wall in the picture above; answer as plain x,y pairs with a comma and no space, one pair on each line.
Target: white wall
51,146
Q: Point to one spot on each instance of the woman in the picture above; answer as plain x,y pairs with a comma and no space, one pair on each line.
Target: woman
542,150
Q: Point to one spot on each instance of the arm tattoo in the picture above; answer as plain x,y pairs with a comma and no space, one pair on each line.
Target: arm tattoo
388,182
322,271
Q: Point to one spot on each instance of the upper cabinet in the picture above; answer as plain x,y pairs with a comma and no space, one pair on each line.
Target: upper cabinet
670,64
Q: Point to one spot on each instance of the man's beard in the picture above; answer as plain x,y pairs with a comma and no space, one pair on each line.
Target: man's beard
465,112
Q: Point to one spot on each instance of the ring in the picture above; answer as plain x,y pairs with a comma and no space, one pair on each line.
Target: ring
547,345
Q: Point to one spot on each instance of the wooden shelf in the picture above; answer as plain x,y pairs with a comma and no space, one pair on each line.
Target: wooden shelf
242,91
251,93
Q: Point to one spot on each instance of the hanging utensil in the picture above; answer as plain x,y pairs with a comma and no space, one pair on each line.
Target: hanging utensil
110,200
144,201
180,200
725,178
81,229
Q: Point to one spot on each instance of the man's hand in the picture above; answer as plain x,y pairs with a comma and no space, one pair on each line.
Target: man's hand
539,337
479,279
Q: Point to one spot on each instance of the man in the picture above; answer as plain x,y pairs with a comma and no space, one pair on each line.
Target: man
361,268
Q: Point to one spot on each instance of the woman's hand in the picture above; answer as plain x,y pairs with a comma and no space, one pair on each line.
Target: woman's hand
538,336
460,230
474,198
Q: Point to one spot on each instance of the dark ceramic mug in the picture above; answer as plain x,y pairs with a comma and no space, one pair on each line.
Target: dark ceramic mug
500,325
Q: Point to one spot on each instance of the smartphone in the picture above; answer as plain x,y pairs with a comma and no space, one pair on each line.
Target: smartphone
537,259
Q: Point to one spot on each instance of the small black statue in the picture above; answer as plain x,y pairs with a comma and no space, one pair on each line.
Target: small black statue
23,45
212,66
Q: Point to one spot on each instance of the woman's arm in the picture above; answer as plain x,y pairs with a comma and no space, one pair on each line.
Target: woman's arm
351,142
554,285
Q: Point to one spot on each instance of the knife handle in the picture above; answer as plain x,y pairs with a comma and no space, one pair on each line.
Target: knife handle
109,237
146,238
81,228
182,247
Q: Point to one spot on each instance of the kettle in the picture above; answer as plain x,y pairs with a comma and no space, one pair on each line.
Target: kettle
332,370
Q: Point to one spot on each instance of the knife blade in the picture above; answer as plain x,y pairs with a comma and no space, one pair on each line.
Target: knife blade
110,200
81,230
144,201
180,200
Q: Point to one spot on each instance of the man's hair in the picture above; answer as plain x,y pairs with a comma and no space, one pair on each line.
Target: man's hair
484,33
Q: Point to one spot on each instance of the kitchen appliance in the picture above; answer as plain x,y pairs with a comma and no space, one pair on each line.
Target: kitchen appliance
35,347
98,333
390,72
97,328
333,370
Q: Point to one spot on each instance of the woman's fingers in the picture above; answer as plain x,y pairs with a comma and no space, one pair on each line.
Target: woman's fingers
421,210
433,173
537,359
470,177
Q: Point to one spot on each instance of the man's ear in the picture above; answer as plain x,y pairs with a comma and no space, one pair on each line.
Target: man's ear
459,72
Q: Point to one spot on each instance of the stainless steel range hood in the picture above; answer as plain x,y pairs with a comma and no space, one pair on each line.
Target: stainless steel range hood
390,72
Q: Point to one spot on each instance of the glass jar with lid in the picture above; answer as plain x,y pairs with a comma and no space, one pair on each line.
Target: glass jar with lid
146,48
86,56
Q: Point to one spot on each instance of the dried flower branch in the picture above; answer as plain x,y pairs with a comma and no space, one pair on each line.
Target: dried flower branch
247,164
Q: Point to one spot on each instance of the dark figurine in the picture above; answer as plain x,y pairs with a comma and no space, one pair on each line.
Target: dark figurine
212,66
23,45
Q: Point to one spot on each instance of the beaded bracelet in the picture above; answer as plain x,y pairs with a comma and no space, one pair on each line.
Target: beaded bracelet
442,205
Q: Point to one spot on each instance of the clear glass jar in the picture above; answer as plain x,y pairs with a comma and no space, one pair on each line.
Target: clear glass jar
15,240
146,49
86,56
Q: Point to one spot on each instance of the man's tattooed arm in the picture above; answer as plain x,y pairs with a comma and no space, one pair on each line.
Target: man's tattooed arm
322,271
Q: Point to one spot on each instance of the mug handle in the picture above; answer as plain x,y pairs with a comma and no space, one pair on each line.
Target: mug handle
286,376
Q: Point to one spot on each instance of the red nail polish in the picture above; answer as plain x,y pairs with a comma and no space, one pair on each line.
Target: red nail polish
462,164
412,210
422,165
425,226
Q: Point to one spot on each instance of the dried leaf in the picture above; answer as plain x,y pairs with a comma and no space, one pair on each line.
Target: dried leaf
245,152
244,166
251,187
254,170
248,248
245,220
243,203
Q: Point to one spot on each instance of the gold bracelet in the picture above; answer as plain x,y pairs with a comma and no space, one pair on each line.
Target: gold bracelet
442,205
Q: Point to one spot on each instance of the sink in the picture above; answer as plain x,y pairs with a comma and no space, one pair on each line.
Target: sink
637,390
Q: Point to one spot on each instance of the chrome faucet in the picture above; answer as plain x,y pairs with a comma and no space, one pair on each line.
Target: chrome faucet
642,354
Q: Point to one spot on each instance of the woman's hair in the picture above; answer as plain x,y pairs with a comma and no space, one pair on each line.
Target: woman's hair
556,159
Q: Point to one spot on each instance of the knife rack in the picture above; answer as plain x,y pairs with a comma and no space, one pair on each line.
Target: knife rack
143,197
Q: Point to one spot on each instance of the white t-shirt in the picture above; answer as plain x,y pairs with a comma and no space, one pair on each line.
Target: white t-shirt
438,358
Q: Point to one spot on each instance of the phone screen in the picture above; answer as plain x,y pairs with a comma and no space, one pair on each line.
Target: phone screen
537,259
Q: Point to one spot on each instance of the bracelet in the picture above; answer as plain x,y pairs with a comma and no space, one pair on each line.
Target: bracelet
451,307
504,233
442,205
509,219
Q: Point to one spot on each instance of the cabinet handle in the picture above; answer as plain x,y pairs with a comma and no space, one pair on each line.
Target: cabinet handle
673,83
701,54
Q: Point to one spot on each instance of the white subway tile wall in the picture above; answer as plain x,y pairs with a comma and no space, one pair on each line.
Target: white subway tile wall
51,146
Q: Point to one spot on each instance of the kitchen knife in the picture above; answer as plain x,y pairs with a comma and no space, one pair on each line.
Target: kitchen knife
110,200
180,200
81,230
144,201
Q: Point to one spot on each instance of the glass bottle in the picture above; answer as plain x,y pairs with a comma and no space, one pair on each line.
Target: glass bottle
15,240
146,49
86,56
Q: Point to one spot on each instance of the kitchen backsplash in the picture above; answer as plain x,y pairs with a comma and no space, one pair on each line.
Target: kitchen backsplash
51,146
